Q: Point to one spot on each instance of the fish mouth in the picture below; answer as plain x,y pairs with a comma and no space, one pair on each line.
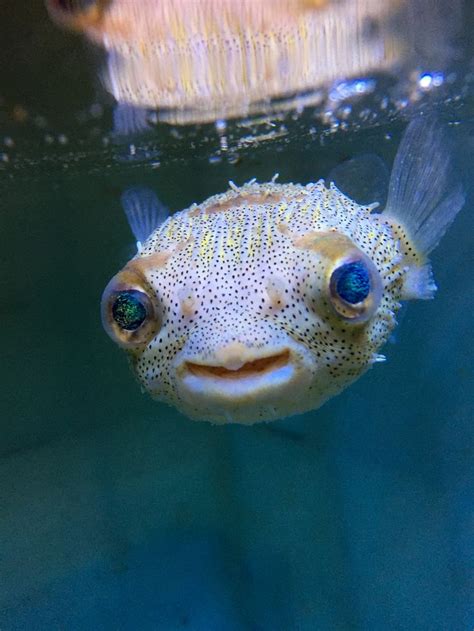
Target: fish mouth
241,384
238,382
254,368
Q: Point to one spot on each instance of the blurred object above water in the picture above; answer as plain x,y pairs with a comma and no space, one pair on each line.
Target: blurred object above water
218,59
323,72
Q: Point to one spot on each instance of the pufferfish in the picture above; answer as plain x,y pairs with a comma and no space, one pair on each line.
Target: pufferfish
266,300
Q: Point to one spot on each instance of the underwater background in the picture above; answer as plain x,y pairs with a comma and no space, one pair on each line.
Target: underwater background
117,512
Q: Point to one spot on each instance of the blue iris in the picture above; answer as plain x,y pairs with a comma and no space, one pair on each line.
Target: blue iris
353,282
128,310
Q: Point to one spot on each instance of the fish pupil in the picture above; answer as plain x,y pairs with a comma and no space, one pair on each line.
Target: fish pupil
353,282
128,310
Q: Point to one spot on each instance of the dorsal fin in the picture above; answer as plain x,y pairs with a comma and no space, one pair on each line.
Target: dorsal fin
363,178
144,212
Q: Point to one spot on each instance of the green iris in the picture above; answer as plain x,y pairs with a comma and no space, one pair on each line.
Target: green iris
128,310
353,282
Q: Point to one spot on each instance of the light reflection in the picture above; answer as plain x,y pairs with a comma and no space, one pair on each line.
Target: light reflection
217,59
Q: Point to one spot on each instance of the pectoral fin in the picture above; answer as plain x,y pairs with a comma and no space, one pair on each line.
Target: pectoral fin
144,212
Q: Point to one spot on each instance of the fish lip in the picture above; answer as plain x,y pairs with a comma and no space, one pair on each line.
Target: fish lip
256,367
275,386
264,379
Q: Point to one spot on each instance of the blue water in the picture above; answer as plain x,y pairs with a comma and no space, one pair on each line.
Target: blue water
117,513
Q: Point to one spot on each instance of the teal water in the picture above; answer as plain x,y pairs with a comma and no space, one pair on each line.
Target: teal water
117,513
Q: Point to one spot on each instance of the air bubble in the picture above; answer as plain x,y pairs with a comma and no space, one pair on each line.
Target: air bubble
221,126
215,159
431,80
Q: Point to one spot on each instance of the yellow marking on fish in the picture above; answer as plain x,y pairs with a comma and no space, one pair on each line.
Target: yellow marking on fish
281,210
238,242
170,230
258,232
269,235
221,251
316,214
230,240
206,247
288,215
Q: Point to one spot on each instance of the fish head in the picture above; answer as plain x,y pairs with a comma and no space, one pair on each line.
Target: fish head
227,331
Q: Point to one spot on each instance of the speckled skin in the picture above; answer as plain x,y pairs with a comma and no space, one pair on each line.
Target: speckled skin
244,325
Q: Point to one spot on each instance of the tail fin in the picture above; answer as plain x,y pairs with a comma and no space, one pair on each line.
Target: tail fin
424,193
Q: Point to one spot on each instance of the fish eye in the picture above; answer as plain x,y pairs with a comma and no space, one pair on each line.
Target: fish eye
129,313
129,309
351,282
355,289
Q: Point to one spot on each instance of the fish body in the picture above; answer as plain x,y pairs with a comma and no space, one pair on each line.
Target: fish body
268,299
